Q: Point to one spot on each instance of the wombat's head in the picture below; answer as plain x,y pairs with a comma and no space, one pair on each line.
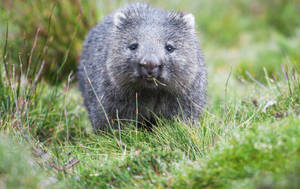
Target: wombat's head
152,48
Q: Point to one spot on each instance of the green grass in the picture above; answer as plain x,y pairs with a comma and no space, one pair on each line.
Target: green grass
248,135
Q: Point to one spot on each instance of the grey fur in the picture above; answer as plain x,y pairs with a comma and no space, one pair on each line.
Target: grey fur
108,77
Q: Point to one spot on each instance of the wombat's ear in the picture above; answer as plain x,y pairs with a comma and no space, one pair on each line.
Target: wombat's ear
189,19
119,17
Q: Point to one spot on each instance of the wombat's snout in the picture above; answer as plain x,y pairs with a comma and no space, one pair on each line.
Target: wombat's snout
150,67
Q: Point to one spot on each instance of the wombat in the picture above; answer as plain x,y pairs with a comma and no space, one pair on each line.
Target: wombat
141,63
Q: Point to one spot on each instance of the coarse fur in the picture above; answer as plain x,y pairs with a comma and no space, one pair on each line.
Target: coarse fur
111,84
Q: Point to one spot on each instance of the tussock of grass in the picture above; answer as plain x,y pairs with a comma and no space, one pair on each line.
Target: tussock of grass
61,26
261,149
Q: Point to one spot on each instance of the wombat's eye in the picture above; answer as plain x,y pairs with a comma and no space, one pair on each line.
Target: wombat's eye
133,46
170,48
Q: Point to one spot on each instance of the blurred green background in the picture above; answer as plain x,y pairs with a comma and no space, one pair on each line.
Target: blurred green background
244,36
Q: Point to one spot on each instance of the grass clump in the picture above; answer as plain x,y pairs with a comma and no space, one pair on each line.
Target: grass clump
262,148
34,108
61,27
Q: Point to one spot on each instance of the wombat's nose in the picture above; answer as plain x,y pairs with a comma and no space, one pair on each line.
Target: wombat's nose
150,67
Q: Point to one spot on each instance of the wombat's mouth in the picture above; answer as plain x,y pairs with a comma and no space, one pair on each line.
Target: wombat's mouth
151,81
149,78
